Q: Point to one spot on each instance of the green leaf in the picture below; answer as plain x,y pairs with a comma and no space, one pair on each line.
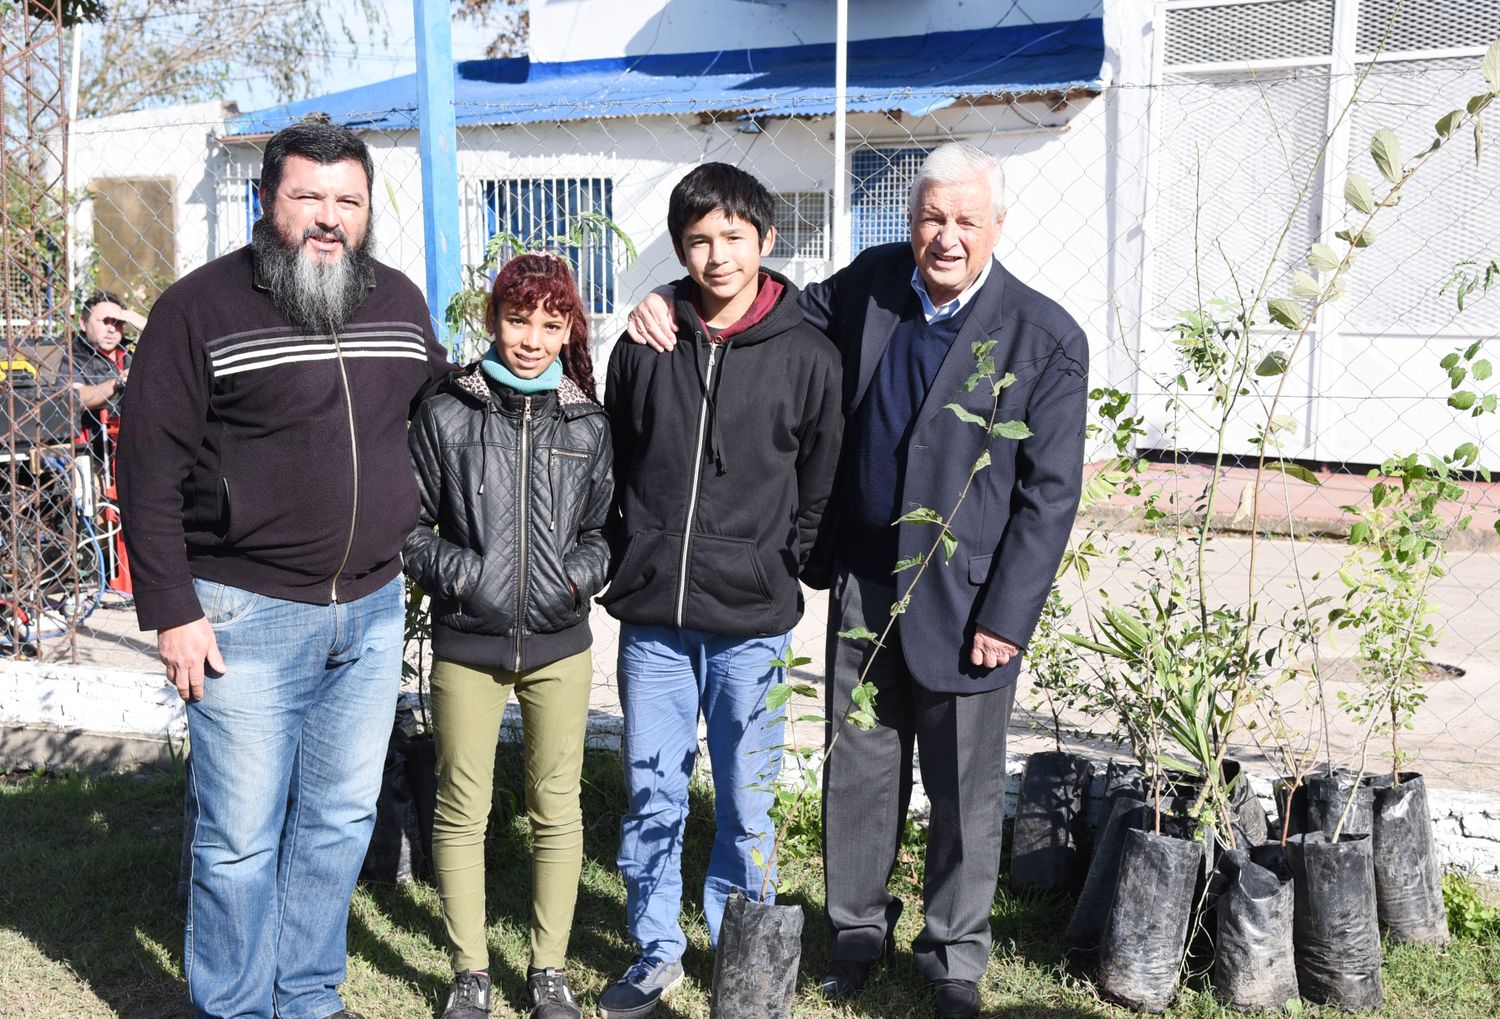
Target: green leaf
950,545
1467,454
757,857
1456,376
1448,123
1010,430
1246,504
861,719
1285,312
777,696
1477,103
966,416
1113,652
1385,149
1491,67
1274,363
912,560
1449,361
920,515
1294,470
1323,258
1478,137
1357,534
1304,287
1363,239
1483,369
1358,194
858,633
1281,423
981,463
1004,382
1462,400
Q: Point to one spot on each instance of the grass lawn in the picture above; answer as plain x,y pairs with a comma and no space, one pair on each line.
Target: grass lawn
90,927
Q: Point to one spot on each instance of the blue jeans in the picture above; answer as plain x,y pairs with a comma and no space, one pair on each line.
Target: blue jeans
666,676
287,749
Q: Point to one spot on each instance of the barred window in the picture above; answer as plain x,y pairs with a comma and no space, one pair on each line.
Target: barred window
563,215
882,178
803,224
239,208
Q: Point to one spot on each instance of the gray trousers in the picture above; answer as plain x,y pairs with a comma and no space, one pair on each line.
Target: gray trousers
867,780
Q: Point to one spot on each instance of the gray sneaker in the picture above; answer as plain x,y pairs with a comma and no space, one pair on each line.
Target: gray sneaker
469,998
634,995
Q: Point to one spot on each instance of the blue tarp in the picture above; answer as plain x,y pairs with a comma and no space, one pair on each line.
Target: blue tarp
915,75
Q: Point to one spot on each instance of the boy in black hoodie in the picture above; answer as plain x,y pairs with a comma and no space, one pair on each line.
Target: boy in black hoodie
725,451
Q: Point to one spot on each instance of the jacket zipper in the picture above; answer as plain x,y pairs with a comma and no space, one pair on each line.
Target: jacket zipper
354,460
525,498
692,507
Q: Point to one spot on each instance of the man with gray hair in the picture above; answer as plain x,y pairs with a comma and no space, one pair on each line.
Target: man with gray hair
906,318
266,493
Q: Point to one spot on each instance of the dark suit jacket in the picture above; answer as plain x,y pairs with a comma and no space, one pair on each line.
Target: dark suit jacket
1013,527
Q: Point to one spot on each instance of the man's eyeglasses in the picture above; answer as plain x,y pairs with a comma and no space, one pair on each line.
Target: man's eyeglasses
116,323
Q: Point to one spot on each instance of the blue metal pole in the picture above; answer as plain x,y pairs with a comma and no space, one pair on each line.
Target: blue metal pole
439,150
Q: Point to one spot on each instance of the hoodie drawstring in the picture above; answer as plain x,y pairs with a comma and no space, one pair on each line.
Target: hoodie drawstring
716,437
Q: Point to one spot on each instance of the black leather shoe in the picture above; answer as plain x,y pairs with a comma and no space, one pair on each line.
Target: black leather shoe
845,977
955,999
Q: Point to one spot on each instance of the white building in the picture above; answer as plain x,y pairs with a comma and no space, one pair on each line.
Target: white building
1139,138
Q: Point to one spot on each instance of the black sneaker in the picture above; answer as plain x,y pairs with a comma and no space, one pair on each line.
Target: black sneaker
551,997
634,995
470,997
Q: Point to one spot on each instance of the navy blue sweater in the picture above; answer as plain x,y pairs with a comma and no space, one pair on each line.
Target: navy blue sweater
874,464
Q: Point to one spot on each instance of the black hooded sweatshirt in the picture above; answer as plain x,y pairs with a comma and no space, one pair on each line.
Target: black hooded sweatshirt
725,454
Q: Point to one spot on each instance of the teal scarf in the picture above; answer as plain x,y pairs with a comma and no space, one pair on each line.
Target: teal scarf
543,383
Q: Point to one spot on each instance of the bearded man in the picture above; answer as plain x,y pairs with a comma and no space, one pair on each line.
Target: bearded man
266,492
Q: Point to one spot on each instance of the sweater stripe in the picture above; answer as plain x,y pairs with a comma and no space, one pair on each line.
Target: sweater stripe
321,355
293,348
221,349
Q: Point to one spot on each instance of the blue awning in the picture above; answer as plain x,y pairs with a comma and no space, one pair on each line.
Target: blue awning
914,75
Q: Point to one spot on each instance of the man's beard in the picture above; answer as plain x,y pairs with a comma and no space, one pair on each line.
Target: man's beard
312,294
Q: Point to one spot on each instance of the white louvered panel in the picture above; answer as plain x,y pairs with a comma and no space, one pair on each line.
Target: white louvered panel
1254,143
1238,33
1450,211
1427,24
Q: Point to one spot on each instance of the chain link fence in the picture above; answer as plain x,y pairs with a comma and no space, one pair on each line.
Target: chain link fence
1129,203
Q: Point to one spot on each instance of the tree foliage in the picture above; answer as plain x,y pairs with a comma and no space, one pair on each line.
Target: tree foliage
158,52
511,20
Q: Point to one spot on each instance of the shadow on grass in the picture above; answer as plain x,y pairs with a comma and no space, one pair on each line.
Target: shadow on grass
90,879
599,946
90,866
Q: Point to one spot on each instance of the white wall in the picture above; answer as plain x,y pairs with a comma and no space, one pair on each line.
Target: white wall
593,29
1056,235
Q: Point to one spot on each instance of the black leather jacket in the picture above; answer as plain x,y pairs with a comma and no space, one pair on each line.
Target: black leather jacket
515,491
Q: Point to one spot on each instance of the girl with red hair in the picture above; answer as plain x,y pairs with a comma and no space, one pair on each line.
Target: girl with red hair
513,464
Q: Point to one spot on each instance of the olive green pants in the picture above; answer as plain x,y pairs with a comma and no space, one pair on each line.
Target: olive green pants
468,704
